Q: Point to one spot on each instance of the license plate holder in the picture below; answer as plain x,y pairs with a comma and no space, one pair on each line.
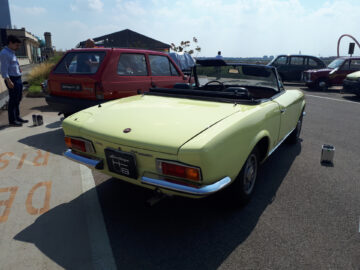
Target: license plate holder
123,163
71,87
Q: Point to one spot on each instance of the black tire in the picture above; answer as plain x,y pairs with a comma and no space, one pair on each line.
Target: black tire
295,135
322,84
243,186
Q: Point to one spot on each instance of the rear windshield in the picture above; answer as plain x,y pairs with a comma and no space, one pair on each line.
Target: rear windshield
80,63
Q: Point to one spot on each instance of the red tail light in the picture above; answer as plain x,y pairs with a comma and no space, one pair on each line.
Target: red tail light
99,91
179,170
79,144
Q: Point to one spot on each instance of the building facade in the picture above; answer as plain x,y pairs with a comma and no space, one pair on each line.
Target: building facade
29,50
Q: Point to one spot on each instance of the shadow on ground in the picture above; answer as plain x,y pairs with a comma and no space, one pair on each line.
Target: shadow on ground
51,141
176,233
352,98
43,108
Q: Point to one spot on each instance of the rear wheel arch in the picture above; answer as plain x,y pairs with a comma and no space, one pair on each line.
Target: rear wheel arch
263,148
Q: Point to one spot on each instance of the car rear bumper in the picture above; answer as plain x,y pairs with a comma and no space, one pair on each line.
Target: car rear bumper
70,105
351,87
159,183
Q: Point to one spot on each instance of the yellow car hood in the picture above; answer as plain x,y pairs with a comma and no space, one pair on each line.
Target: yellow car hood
159,124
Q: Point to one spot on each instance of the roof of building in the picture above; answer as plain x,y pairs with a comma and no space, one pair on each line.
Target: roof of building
128,39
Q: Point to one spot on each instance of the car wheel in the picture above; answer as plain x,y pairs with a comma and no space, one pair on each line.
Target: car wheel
244,184
322,84
295,135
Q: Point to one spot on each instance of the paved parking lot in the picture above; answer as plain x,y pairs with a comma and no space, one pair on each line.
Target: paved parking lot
56,214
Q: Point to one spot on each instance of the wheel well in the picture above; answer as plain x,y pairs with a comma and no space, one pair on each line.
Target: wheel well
263,147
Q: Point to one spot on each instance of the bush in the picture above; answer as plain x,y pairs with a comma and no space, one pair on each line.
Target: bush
41,72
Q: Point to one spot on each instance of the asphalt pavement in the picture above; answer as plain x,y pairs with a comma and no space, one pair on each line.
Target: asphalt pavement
303,215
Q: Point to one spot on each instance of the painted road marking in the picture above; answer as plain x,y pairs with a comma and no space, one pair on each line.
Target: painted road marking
29,200
102,255
335,99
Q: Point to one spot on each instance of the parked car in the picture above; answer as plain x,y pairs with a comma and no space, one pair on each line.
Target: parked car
192,141
351,83
290,67
86,77
334,74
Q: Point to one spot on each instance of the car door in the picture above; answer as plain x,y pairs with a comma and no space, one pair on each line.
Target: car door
290,105
296,67
164,74
127,76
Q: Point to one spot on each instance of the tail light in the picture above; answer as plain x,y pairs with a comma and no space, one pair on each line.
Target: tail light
99,91
79,144
179,170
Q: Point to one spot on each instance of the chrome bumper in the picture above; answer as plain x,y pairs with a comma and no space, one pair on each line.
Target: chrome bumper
91,163
202,191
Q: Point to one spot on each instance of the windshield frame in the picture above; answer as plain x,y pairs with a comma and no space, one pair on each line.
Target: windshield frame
219,63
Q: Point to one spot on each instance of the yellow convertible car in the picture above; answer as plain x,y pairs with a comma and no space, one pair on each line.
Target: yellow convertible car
194,139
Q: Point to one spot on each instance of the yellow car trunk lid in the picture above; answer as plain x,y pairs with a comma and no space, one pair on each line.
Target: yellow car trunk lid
160,124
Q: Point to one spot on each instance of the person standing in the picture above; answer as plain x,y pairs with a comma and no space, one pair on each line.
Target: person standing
11,72
219,56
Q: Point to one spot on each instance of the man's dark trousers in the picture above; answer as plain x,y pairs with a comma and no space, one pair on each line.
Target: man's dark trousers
15,96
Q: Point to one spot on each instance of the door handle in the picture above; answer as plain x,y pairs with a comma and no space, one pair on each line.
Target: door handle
283,110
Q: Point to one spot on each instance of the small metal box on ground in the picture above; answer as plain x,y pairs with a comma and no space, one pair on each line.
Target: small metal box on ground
327,154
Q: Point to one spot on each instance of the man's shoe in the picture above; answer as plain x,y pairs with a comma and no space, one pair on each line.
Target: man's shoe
15,124
22,120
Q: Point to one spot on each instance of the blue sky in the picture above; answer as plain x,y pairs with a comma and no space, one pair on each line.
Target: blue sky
236,27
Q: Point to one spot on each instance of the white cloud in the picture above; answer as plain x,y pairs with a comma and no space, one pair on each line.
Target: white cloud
96,5
131,7
29,10
90,5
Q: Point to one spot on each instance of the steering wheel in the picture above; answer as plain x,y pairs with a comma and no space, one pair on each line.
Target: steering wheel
216,81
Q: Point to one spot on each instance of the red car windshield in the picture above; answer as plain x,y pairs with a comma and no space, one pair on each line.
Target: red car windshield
336,63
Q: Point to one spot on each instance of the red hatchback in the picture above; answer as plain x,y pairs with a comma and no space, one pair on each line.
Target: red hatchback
87,77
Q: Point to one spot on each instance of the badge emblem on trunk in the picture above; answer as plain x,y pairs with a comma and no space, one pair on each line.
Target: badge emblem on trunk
127,130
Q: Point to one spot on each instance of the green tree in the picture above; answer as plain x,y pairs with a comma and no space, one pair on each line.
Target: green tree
185,46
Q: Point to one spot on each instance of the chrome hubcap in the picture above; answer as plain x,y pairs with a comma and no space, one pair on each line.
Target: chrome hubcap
250,174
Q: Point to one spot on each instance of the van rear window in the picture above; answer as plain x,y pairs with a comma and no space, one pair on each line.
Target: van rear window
80,63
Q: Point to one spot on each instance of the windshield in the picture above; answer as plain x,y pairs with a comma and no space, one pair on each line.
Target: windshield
336,63
238,75
80,63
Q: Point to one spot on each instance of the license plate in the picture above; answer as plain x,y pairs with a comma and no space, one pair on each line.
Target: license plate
122,163
70,87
